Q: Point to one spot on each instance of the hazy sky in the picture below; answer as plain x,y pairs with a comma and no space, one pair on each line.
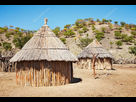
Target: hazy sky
31,17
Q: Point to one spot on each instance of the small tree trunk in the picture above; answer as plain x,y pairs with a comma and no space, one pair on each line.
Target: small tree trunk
94,57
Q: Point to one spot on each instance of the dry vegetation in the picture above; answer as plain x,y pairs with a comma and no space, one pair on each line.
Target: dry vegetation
110,83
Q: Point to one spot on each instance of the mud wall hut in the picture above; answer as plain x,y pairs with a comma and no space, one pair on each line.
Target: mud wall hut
103,60
44,60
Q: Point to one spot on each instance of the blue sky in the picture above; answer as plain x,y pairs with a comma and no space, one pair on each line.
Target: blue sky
31,17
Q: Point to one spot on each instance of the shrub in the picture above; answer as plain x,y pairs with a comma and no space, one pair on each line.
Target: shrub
63,40
69,33
117,34
123,36
103,29
84,29
56,30
119,43
120,28
7,46
7,35
132,50
80,32
84,42
111,43
122,24
134,34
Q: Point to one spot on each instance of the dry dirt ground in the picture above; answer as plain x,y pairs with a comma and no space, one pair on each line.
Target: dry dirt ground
120,82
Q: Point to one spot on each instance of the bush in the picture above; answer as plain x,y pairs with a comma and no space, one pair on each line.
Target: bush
80,32
67,26
98,37
84,42
111,43
132,50
120,28
122,24
75,28
103,29
63,40
117,34
84,29
21,41
93,28
56,30
134,34
123,36
119,43
7,35
7,46
69,33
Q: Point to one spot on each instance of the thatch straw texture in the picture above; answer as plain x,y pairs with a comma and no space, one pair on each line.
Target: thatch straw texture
95,48
44,45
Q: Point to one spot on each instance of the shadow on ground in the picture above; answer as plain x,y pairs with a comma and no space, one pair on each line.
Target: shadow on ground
76,80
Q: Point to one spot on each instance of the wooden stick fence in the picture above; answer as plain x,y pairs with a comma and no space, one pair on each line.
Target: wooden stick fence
43,73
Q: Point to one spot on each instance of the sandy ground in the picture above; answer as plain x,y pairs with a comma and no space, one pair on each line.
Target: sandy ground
109,83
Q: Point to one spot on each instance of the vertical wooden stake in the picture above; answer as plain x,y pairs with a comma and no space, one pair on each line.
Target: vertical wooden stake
94,57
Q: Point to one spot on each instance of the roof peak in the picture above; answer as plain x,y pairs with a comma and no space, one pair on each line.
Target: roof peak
45,21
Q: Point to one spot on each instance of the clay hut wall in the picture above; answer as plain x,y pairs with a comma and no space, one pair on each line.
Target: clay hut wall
100,63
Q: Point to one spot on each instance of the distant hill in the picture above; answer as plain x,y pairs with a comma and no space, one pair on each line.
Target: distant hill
80,25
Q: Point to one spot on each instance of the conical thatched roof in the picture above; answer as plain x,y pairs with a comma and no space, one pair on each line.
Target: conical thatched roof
95,48
44,45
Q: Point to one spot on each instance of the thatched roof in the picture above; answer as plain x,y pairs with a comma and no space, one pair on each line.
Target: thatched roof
44,45
94,48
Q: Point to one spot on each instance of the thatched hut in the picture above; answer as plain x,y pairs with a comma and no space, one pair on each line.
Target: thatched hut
44,60
103,60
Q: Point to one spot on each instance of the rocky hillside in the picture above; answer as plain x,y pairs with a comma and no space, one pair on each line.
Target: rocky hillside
122,52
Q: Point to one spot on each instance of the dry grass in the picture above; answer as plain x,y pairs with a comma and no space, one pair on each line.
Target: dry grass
110,83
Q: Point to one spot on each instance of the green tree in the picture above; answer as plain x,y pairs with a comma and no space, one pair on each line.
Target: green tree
84,42
75,28
17,28
120,28
56,31
111,43
116,22
7,46
98,37
1,31
80,32
93,28
117,34
81,21
8,35
104,20
84,29
119,43
67,26
134,34
110,20
123,36
69,33
21,41
22,30
103,29
132,50
122,23
97,20
100,33
63,40
77,23
11,26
